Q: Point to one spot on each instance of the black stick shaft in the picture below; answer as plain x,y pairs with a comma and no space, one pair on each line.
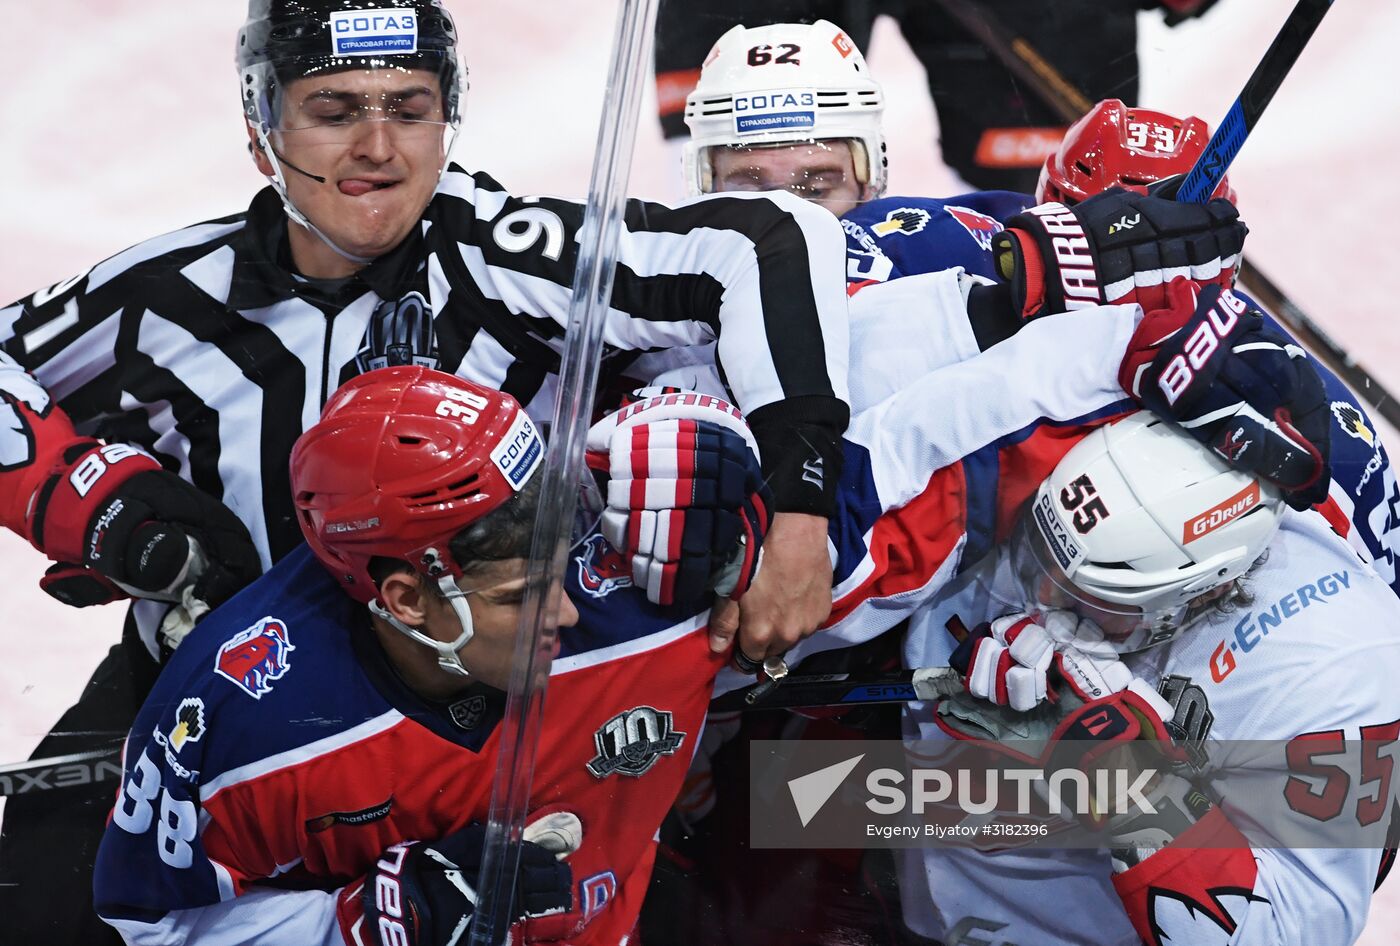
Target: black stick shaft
1258,91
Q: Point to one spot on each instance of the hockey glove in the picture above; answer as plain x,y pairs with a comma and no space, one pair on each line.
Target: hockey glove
686,504
1014,660
1249,392
1070,732
117,524
1115,247
425,894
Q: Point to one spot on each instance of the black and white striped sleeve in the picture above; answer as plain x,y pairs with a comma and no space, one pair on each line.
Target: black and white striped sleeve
762,273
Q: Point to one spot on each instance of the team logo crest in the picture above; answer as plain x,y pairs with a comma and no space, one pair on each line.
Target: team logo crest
400,332
189,723
253,658
905,220
979,226
631,742
1352,423
601,568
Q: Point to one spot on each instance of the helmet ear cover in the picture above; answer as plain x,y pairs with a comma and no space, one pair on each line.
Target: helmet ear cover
788,83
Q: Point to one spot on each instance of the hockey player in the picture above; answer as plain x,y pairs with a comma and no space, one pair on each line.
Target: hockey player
1236,620
308,770
813,126
991,131
1111,146
199,356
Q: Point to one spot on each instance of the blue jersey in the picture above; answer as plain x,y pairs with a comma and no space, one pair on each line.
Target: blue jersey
905,236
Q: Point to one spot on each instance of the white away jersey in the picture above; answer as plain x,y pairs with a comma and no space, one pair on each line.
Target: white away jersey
1313,661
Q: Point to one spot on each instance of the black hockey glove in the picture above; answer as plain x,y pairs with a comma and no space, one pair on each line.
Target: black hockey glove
1215,368
425,894
117,523
1116,247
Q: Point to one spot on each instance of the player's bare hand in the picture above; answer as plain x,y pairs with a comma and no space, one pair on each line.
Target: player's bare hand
790,597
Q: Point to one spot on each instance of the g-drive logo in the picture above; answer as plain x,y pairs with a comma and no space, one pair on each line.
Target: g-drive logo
373,32
1065,791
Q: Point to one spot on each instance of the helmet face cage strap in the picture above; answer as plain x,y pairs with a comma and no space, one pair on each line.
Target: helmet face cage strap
448,657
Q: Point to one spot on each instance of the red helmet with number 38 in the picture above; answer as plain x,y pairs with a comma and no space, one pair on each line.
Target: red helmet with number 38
402,460
1114,145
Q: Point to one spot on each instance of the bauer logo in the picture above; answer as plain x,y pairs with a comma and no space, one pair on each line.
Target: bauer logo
519,452
373,32
1220,515
782,110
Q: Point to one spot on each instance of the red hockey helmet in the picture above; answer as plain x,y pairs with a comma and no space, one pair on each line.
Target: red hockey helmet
402,460
1114,145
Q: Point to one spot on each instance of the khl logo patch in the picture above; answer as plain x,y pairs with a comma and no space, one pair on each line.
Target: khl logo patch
631,742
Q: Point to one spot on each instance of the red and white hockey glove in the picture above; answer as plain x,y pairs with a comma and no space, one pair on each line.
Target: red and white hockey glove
117,523
1214,367
1115,247
686,504
1021,660
425,893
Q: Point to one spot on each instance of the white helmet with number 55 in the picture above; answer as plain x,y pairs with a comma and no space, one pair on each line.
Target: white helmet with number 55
1136,527
785,84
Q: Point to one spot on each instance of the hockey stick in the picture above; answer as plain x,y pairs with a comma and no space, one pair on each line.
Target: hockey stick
1258,91
1025,62
842,689
59,772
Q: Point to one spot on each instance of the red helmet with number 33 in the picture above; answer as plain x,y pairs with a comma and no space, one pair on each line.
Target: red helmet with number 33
1114,145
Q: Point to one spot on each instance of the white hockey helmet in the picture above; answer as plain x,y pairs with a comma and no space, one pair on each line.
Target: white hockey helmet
785,84
1134,525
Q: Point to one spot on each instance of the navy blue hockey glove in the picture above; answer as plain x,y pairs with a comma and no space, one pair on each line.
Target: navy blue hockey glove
1215,368
425,894
117,523
1115,247
686,503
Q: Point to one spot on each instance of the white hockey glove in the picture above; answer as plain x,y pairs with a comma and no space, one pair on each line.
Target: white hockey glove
1012,661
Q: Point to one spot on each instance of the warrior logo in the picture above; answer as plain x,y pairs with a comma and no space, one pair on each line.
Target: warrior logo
253,658
905,220
601,568
978,225
1352,423
631,742
400,332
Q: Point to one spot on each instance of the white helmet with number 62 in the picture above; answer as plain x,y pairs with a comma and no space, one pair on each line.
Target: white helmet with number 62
785,84
1135,525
